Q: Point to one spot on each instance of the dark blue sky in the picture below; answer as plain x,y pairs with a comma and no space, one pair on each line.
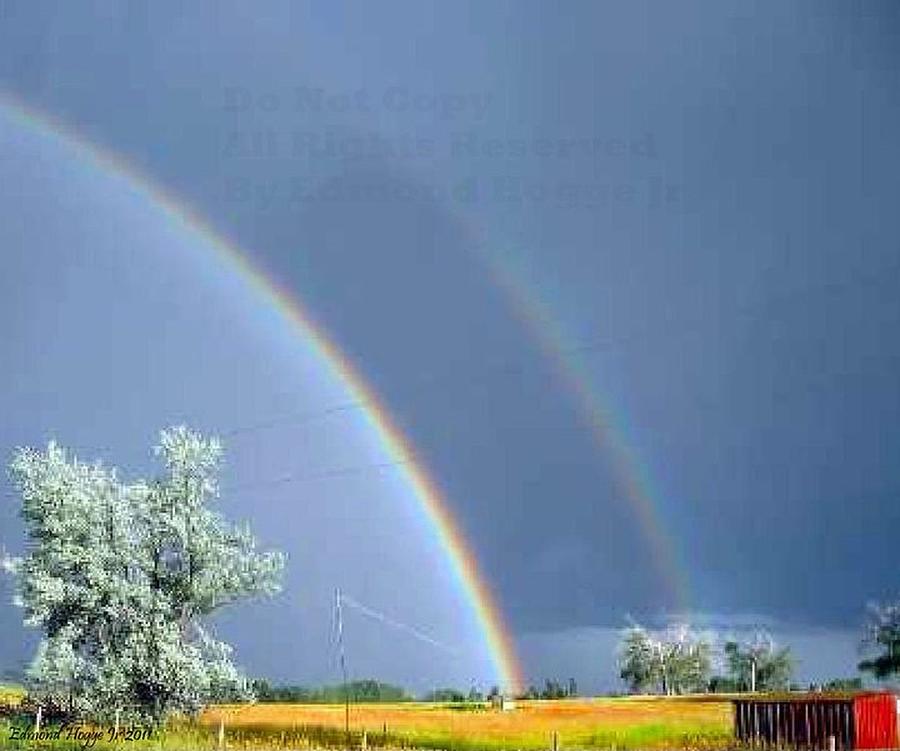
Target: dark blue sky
701,195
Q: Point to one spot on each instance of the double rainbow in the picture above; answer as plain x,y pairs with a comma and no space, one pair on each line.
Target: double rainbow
433,503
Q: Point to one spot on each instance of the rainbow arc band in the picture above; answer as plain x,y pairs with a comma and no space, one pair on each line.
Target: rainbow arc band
459,554
605,421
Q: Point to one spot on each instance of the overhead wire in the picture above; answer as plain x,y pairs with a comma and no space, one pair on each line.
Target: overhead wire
505,367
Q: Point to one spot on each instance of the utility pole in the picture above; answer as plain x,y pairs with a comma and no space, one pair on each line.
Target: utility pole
339,626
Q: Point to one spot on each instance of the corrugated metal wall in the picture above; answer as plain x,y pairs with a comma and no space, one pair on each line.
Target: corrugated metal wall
795,723
876,721
864,722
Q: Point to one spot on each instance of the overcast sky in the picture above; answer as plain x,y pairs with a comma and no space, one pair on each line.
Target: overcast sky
697,201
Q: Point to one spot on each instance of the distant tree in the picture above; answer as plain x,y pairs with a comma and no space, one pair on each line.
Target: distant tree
638,659
759,664
371,691
882,636
532,692
687,660
445,695
843,684
475,695
676,661
722,684
262,689
553,690
121,578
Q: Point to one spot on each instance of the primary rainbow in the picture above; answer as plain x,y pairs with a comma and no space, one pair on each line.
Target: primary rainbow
459,554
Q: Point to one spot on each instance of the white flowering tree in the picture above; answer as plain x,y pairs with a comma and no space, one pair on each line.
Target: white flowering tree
674,661
122,577
688,657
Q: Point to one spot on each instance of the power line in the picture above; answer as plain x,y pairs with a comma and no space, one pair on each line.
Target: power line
295,418
515,366
399,625
504,366
325,474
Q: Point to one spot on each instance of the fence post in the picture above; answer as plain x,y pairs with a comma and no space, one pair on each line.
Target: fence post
221,732
831,743
118,715
555,741
37,719
365,741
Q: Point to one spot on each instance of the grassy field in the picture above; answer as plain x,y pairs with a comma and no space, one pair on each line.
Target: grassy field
621,723
10,697
633,723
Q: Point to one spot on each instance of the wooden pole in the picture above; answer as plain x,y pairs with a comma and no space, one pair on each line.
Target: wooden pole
554,739
37,719
365,741
339,623
221,732
118,714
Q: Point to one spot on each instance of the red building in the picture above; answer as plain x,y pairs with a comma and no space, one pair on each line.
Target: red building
863,720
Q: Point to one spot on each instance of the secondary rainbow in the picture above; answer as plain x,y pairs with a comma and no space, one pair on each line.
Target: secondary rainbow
608,425
459,553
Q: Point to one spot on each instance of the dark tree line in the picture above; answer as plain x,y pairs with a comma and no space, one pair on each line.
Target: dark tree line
370,691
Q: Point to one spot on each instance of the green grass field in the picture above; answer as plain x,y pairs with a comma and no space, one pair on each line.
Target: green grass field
635,723
621,723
